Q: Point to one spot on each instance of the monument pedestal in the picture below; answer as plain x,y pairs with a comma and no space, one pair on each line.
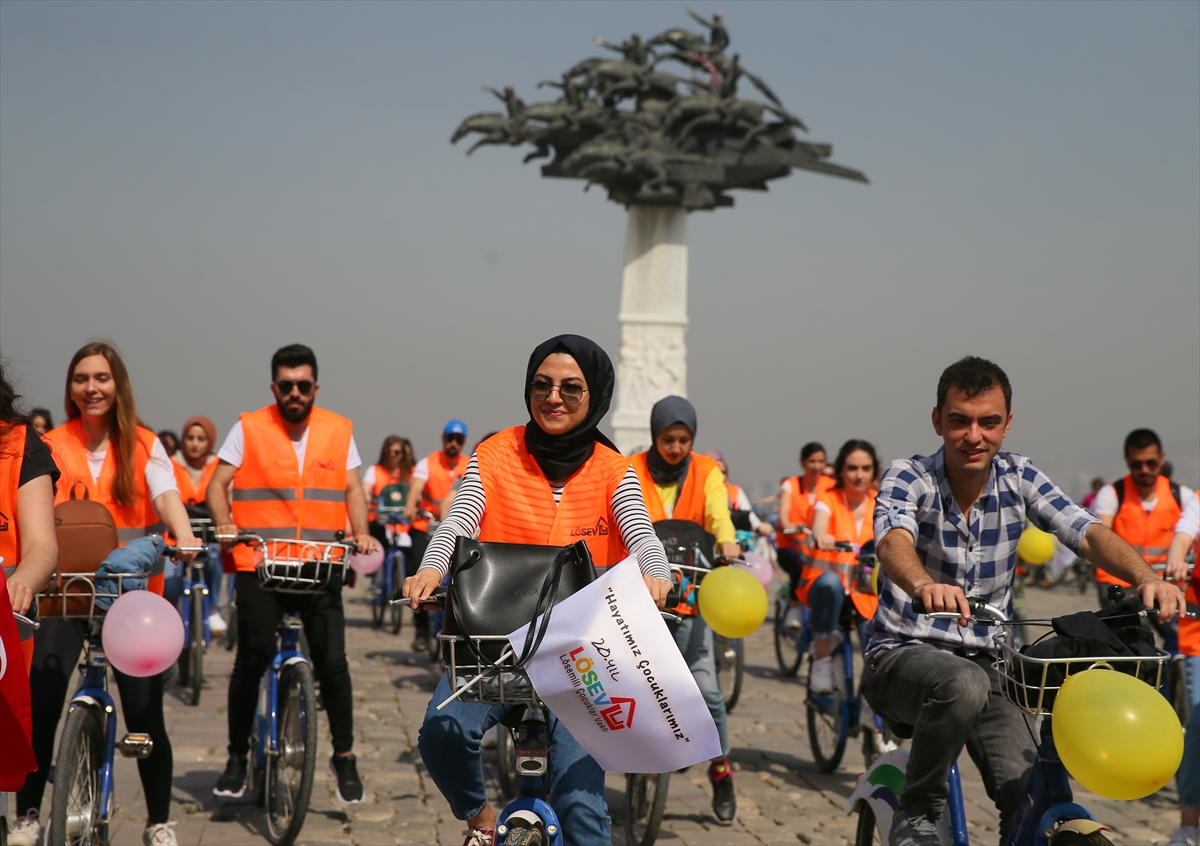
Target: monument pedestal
653,357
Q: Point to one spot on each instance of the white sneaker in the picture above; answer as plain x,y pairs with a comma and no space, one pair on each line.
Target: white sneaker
25,831
490,737
160,834
1187,835
216,624
792,619
820,675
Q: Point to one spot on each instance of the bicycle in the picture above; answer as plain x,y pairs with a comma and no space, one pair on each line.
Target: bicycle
83,767
26,626
832,718
196,606
391,575
283,736
1047,814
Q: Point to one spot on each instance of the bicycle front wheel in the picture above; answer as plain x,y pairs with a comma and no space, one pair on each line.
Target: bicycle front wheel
730,658
825,715
645,805
867,833
506,763
289,772
76,818
787,649
397,617
195,646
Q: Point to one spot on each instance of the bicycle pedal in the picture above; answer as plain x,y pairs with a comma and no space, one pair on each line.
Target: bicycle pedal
135,745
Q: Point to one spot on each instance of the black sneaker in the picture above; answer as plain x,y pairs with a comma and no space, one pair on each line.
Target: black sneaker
724,802
913,830
232,783
420,642
349,785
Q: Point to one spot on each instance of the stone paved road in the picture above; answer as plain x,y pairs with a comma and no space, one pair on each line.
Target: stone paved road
783,798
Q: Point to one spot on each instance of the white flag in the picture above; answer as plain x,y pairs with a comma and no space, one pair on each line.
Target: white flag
610,670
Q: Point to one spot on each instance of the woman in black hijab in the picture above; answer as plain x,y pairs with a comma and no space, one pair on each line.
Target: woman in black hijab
534,484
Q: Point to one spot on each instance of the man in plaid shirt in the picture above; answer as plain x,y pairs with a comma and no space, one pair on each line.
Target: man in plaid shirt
947,527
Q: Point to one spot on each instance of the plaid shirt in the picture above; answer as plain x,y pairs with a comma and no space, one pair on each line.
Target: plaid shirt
978,552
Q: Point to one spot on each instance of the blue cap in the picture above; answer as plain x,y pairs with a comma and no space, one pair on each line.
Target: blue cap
455,427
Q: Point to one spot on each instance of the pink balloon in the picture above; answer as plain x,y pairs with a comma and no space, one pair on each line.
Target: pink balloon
366,564
142,634
760,568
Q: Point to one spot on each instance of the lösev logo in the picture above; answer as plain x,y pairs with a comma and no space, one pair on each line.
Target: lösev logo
610,713
598,530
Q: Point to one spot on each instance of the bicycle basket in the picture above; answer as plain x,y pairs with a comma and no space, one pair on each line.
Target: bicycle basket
679,537
490,683
293,566
77,596
1032,683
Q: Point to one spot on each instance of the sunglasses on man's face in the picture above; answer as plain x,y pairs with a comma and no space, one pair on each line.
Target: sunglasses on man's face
285,386
570,393
455,439
1151,465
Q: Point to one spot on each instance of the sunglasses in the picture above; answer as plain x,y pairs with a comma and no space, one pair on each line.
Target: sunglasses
571,394
285,386
1151,465
457,439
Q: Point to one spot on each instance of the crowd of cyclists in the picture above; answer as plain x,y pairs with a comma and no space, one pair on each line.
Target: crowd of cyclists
945,528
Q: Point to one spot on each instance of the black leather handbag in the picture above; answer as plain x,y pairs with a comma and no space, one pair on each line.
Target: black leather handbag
495,588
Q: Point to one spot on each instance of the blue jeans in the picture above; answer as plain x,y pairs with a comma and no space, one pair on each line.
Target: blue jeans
450,740
175,574
1189,770
825,597
695,641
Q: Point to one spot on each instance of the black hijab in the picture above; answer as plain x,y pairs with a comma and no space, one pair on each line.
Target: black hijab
561,455
666,413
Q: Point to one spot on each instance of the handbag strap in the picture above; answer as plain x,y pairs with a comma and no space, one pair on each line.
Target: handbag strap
536,633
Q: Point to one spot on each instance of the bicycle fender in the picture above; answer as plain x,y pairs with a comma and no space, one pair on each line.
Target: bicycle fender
295,659
1067,816
880,788
104,703
531,809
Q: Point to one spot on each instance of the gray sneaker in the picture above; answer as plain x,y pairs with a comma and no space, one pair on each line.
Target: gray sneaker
913,830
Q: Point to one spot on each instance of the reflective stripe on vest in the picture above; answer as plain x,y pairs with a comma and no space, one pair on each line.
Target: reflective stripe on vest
68,446
12,457
442,477
800,510
689,502
519,504
1149,533
274,497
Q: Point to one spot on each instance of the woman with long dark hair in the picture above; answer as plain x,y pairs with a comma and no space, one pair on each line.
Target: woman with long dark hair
532,484
107,455
842,514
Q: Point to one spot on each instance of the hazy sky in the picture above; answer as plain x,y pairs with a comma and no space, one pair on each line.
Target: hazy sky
202,183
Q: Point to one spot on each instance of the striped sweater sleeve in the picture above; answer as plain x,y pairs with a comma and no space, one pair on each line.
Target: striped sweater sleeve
462,520
628,508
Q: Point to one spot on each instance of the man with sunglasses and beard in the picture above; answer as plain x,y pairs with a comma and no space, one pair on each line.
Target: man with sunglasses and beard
1143,509
293,470
432,481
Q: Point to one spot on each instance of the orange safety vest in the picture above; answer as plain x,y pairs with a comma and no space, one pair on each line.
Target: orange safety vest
1189,627
275,498
68,446
689,504
800,510
193,494
520,506
1149,533
383,478
12,458
735,493
842,528
441,480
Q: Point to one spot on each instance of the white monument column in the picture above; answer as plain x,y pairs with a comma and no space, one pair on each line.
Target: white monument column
653,359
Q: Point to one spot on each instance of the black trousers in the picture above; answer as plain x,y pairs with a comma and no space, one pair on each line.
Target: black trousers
56,648
790,561
259,612
412,558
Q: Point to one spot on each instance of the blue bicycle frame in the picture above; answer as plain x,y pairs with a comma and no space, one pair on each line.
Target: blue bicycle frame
197,584
94,692
530,796
266,719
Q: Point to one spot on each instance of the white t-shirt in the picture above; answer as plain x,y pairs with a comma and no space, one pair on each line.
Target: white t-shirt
1189,520
421,471
368,478
233,451
160,475
1105,503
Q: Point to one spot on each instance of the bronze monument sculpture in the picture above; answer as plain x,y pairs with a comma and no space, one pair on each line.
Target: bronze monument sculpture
655,138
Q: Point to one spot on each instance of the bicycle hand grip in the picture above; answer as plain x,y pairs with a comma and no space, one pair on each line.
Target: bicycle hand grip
843,546
437,598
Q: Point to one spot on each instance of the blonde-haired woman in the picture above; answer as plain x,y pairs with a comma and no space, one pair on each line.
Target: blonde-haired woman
107,455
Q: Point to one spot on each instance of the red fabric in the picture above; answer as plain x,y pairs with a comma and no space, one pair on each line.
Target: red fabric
16,718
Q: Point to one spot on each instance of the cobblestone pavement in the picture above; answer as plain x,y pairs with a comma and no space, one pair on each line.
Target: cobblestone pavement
782,796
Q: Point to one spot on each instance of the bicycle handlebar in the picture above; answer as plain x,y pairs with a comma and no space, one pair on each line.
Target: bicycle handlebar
438,599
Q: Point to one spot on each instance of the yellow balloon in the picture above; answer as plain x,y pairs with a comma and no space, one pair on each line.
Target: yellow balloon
1036,546
1116,735
732,602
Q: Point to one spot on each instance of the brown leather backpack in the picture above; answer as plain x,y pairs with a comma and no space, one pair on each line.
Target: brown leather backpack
86,534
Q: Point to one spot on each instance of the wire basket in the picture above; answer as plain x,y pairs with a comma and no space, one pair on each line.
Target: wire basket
487,682
1032,683
76,595
292,566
